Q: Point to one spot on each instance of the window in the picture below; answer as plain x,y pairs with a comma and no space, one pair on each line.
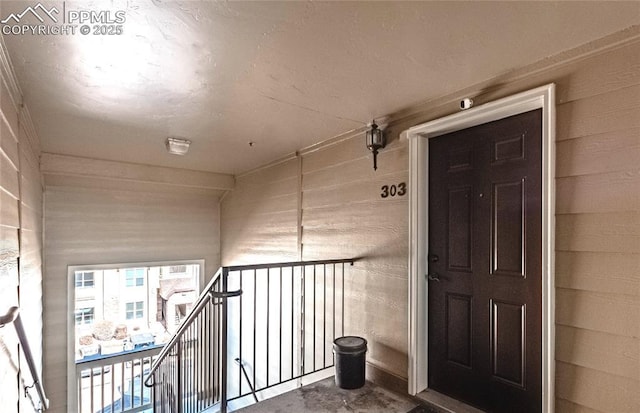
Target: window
84,279
84,316
134,277
130,294
178,269
135,310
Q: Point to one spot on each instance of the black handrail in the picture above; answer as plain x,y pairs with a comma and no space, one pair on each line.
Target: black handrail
289,264
13,316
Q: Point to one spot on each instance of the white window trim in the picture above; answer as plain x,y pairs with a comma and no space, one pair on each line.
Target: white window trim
539,98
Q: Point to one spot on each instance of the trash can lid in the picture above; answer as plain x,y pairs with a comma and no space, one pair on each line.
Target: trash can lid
350,344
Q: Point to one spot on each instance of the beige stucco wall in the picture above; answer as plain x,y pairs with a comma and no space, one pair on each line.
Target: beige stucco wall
326,204
20,239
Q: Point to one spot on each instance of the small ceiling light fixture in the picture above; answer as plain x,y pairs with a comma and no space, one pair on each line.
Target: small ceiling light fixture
375,140
178,146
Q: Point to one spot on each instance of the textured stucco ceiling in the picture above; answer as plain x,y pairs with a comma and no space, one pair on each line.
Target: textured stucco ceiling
284,75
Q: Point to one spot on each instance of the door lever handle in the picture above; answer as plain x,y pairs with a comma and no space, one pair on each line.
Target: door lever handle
434,276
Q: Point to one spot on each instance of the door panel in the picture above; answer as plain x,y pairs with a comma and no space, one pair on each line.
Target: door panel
485,292
460,230
459,329
507,342
507,220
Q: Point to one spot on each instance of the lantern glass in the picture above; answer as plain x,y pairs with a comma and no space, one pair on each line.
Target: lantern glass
375,138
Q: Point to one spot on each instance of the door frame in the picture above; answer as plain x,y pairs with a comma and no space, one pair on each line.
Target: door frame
539,98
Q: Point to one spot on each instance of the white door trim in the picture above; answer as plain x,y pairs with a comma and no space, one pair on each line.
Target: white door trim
542,97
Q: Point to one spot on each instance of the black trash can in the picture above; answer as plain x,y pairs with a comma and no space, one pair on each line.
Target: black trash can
350,361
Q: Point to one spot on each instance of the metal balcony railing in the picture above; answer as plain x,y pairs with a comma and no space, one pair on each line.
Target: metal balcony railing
113,384
253,328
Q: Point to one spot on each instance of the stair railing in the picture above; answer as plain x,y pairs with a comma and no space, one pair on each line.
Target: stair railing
187,375
279,328
13,316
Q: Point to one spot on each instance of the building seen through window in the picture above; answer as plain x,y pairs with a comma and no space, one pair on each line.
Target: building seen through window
123,309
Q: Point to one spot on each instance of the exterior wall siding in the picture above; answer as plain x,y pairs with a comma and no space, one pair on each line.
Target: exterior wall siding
21,189
326,203
87,226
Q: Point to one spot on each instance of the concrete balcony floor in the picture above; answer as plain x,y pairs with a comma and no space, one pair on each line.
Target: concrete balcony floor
324,396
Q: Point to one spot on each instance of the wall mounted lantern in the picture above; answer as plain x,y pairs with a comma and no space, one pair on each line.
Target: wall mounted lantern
375,140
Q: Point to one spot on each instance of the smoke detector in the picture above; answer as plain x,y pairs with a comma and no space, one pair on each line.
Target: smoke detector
178,146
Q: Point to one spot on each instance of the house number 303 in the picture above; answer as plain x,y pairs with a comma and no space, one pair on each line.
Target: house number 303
393,190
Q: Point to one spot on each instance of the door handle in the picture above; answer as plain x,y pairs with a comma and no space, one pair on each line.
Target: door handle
434,276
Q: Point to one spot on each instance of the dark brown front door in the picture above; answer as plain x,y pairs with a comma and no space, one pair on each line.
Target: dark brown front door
485,266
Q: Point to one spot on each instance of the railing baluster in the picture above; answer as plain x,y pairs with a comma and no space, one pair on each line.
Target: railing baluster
186,371
255,295
240,335
192,364
206,359
141,394
122,386
324,315
342,318
91,387
113,390
179,373
189,367
191,370
292,318
313,352
223,407
334,303
201,364
219,344
80,393
102,389
268,323
304,320
280,329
